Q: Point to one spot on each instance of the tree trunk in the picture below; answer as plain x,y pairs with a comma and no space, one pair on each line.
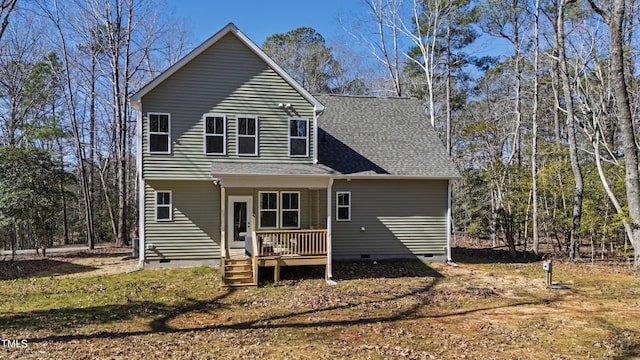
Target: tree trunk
6,8
605,184
105,190
448,89
92,143
493,227
516,155
534,132
572,244
119,37
625,122
65,224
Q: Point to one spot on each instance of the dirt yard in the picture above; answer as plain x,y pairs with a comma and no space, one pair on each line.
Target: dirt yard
86,306
102,261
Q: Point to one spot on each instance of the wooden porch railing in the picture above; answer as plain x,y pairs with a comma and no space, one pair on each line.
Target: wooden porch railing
290,242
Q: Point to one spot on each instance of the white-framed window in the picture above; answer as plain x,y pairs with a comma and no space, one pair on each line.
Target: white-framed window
164,210
247,135
268,209
298,137
290,210
215,134
159,133
343,206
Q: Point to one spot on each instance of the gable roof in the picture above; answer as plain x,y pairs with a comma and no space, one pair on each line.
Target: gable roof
380,136
229,29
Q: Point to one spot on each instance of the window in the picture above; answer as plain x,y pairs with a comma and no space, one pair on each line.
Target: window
163,206
268,210
281,209
215,135
247,136
343,206
159,138
290,210
298,137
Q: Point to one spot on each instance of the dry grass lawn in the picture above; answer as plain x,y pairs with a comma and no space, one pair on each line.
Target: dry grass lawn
87,307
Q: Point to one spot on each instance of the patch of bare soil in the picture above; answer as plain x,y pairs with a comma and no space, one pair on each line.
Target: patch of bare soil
99,261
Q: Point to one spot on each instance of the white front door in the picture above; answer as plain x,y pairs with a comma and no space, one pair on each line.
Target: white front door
239,213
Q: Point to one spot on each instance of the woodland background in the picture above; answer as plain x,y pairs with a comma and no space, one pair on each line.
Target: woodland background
545,137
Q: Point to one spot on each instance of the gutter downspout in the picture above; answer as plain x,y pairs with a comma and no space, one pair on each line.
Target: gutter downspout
449,227
329,242
141,186
449,220
315,135
223,219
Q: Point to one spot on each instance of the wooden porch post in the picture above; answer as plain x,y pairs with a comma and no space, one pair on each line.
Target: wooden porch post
329,273
223,222
449,221
276,271
254,247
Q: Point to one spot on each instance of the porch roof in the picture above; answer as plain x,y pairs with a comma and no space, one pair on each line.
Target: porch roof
256,174
262,168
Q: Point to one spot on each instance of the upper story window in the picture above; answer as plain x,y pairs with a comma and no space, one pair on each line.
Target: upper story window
247,135
298,137
215,135
343,206
163,206
159,133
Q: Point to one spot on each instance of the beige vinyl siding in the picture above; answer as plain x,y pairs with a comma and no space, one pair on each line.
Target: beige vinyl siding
400,217
318,208
227,79
194,232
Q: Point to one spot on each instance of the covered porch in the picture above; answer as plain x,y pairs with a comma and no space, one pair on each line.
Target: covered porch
274,219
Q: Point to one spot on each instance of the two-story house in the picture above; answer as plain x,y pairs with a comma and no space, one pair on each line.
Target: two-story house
233,153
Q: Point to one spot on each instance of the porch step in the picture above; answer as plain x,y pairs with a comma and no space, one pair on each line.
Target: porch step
238,272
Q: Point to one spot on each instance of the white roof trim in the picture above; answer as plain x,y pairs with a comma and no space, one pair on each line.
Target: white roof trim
230,28
392,177
274,181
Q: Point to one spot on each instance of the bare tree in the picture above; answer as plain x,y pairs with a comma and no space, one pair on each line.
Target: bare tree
534,126
506,20
615,20
119,26
426,20
21,49
126,48
377,32
571,132
6,8
52,11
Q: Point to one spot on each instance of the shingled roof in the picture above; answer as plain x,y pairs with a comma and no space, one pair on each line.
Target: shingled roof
261,168
380,136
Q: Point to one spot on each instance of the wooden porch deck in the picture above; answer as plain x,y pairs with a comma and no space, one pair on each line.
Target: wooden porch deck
278,248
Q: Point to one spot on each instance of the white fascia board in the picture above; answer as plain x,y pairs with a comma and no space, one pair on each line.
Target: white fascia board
273,181
392,177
